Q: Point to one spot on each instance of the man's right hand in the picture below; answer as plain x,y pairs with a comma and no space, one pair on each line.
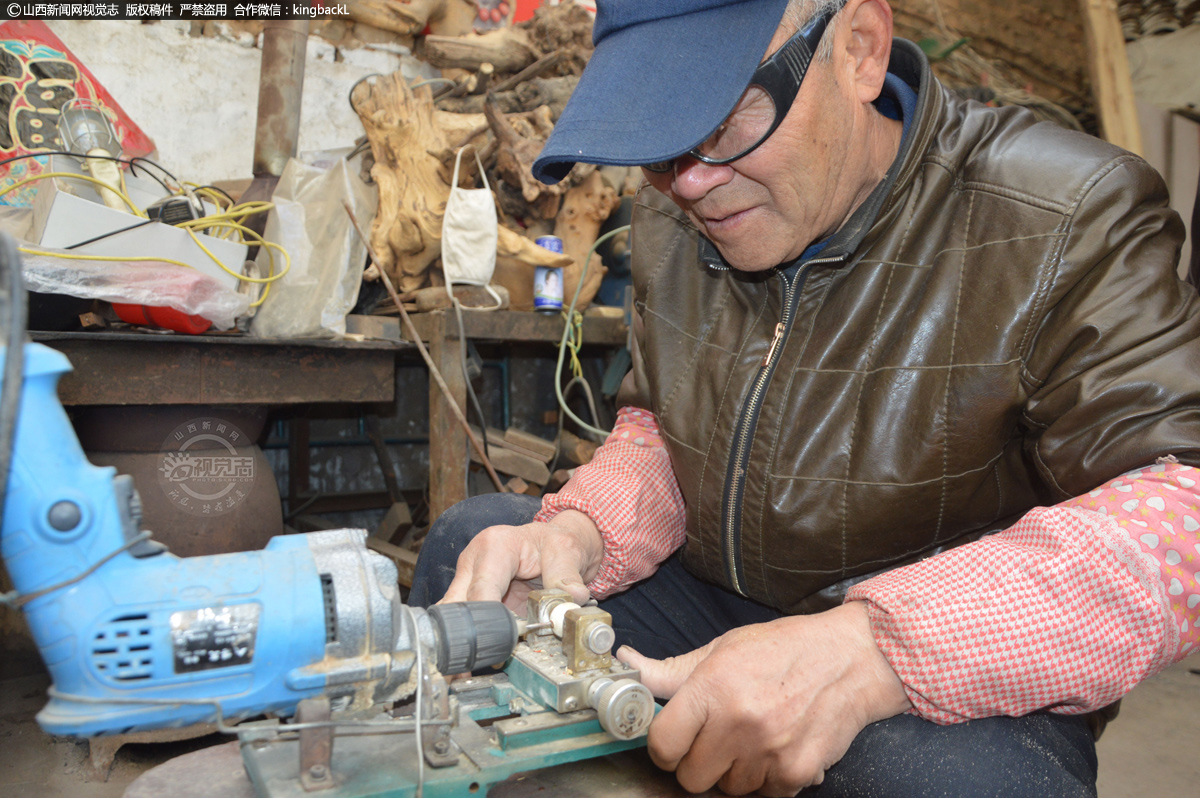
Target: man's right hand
506,563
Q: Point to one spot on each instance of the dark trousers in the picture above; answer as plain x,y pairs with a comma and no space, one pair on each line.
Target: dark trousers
672,612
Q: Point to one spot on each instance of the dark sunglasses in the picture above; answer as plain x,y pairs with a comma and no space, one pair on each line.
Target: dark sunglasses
764,103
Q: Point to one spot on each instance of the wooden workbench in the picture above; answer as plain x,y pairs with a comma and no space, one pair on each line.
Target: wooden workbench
132,368
143,368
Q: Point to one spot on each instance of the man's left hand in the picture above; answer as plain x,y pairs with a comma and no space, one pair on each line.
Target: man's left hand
769,707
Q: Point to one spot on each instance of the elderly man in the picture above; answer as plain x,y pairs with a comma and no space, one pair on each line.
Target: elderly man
908,438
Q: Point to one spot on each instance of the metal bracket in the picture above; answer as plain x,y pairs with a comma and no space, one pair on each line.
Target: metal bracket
437,704
316,745
587,639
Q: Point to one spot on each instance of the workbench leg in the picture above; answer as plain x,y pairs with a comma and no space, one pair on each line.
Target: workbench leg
447,440
299,459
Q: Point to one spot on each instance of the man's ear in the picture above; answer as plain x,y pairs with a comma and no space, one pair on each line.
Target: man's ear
869,45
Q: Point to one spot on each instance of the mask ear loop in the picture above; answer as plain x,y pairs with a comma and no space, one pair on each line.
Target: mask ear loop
462,333
453,188
487,286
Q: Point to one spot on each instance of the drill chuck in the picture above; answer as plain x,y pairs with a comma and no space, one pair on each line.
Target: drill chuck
472,634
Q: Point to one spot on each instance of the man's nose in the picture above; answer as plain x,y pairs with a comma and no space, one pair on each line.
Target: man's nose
693,179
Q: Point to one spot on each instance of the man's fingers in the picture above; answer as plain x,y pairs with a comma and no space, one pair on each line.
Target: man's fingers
458,586
487,587
560,569
663,677
485,570
713,758
674,730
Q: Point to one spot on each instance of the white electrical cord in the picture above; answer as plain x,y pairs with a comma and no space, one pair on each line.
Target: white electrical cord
562,345
417,647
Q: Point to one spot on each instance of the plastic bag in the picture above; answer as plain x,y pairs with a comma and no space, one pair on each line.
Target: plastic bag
138,283
327,255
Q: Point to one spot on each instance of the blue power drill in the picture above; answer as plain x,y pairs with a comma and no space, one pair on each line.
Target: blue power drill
136,638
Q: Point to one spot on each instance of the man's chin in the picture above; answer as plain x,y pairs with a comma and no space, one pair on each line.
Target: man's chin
743,261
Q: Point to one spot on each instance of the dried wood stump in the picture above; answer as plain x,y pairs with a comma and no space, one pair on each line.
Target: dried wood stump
407,142
410,17
584,209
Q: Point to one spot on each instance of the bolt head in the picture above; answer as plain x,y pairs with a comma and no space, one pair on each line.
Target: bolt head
318,772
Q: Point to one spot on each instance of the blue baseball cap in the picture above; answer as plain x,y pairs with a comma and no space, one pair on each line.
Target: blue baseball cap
664,75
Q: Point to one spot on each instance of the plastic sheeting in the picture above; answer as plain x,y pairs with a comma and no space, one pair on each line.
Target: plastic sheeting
138,283
328,257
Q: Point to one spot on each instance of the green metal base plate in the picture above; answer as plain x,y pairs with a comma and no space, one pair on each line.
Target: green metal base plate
500,731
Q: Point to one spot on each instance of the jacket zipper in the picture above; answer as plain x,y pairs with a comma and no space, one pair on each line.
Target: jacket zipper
735,478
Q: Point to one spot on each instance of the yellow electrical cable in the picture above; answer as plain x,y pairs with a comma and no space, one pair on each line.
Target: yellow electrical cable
112,258
155,259
269,245
136,210
574,340
236,213
217,197
259,241
230,220
578,331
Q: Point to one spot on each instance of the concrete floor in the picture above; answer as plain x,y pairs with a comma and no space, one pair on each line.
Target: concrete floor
1149,751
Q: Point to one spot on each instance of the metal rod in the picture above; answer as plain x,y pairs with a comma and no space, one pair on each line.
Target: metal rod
433,369
280,89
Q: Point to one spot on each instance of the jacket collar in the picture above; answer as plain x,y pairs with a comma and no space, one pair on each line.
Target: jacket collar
909,63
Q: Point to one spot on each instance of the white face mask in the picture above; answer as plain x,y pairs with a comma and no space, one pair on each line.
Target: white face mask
469,232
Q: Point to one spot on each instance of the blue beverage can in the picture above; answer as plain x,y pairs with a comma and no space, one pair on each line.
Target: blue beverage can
548,281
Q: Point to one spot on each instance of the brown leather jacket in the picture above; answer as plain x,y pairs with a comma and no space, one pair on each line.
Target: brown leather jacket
999,326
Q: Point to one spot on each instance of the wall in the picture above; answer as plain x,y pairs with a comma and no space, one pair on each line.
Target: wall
197,96
1042,39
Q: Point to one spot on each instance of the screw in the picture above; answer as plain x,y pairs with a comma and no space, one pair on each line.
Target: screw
441,746
64,515
571,704
318,772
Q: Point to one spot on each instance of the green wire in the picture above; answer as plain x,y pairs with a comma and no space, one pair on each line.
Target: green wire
562,345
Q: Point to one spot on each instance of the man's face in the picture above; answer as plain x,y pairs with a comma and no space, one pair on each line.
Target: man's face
796,188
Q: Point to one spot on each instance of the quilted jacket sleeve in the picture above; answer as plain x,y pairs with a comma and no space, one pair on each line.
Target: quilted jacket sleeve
1113,370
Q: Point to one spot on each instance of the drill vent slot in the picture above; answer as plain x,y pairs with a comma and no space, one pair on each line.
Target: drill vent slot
121,649
330,599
